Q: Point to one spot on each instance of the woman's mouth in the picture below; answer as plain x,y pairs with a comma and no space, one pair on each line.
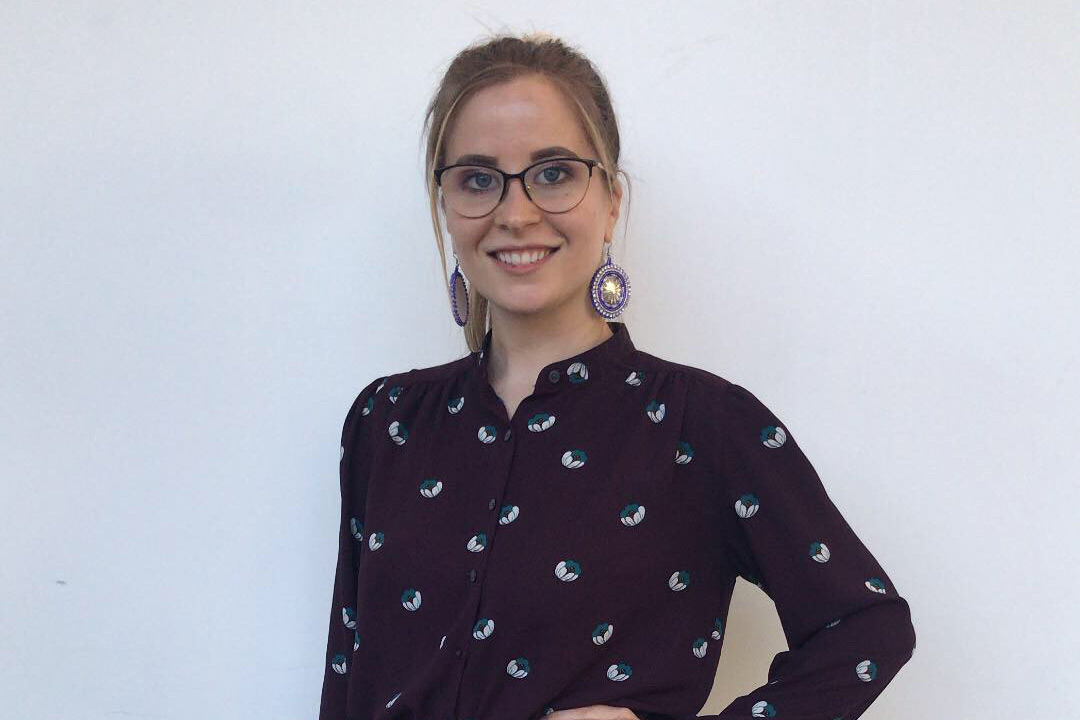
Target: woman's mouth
519,263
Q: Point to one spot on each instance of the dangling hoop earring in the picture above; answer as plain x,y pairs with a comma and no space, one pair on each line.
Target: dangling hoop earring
459,295
610,289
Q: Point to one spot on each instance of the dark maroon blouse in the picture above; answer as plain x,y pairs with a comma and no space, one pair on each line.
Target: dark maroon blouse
585,551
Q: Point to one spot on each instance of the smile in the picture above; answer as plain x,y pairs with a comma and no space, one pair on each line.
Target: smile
518,263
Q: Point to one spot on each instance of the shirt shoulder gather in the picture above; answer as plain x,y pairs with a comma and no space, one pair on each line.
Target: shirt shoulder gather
720,397
385,389
433,373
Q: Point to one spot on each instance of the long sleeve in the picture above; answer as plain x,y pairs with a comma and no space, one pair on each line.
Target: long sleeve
343,636
848,630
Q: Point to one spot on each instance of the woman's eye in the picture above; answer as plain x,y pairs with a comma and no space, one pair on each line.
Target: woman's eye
485,181
553,174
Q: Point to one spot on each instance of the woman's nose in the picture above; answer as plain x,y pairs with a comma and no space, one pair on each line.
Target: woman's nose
516,202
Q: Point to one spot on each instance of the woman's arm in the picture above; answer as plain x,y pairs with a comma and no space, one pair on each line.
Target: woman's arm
848,630
342,635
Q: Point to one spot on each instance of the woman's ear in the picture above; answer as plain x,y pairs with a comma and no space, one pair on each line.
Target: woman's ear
616,206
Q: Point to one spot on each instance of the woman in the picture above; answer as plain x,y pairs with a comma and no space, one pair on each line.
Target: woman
553,524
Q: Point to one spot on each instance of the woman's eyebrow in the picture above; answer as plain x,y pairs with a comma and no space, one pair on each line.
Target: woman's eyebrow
553,151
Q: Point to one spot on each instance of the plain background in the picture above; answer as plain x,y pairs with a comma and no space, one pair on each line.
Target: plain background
214,232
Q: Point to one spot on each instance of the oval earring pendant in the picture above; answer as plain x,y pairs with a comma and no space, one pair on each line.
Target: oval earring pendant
610,289
459,297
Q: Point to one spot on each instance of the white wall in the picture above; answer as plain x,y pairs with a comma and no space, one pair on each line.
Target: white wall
213,233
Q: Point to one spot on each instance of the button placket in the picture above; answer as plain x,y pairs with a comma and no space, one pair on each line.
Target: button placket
499,471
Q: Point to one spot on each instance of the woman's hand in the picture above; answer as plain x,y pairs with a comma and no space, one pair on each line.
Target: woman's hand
593,712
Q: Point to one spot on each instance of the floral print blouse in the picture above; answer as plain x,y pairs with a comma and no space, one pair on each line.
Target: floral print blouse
585,550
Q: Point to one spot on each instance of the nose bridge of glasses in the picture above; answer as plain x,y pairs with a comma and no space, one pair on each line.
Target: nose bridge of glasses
508,180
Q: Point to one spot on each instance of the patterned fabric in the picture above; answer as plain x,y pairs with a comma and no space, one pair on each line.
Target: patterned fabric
585,551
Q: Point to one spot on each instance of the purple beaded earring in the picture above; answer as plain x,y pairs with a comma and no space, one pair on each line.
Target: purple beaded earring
610,289
459,295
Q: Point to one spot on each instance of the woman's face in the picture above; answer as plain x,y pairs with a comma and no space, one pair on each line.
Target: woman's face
509,122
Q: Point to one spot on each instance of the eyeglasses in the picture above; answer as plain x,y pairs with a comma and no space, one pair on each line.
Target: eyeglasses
555,185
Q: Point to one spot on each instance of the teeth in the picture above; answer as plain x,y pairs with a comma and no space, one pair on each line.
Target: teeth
518,258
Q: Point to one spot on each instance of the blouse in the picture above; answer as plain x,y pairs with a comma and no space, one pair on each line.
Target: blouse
585,550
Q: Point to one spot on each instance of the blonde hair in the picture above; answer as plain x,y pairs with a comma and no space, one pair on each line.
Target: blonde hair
499,59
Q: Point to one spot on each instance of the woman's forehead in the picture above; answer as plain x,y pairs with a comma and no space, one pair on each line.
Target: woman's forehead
514,120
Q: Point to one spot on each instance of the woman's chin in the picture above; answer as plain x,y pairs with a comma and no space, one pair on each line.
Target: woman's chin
522,304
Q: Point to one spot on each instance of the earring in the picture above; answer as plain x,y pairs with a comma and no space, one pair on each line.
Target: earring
610,289
459,295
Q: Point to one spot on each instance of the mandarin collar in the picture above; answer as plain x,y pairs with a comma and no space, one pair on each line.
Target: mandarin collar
618,347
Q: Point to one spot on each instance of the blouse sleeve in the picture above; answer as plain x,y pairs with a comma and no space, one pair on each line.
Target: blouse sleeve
848,630
355,462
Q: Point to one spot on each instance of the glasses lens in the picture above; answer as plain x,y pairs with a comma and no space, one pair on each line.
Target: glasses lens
471,190
558,185
555,186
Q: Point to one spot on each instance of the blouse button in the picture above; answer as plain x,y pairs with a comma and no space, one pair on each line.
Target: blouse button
553,376
507,434
457,653
472,576
491,504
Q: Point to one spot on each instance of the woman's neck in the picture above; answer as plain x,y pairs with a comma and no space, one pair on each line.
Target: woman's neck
521,345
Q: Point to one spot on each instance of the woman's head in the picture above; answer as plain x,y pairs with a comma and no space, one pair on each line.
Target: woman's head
509,99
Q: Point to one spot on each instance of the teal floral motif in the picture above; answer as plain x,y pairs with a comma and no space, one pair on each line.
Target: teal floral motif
656,411
574,459
747,505
483,628
772,436
399,433
679,580
567,570
632,514
508,514
518,668
577,373
820,552
338,664
876,585
763,709
541,422
430,487
394,393
410,600
376,540
477,542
